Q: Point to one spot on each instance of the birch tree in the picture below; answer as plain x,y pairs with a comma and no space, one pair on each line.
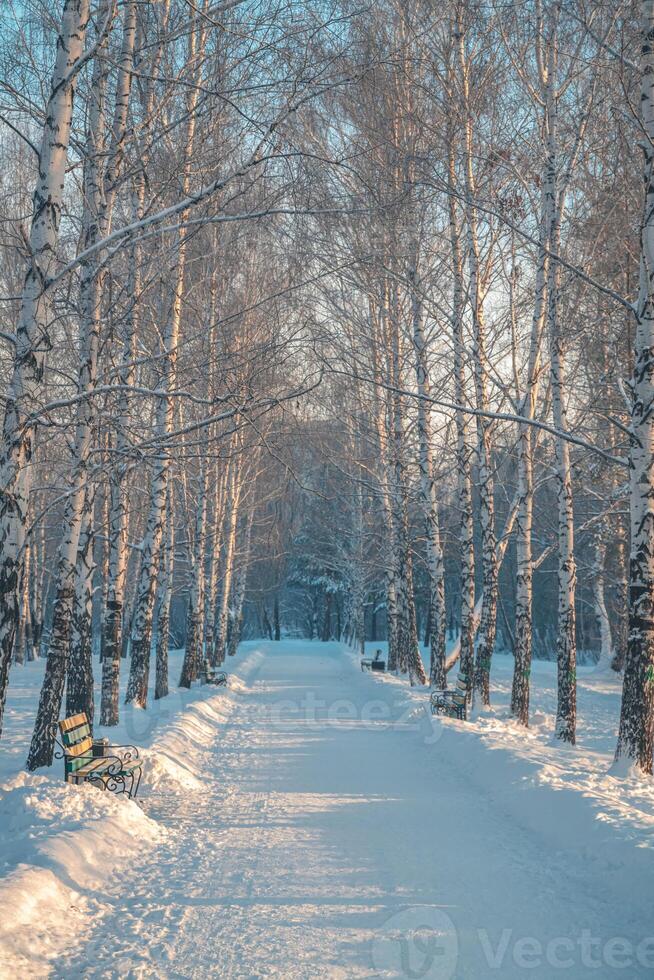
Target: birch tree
137,687
636,731
34,323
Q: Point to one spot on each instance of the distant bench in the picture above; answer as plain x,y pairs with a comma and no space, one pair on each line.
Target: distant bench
374,663
211,675
451,702
88,760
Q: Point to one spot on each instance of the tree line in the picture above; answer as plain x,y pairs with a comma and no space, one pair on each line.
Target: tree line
325,314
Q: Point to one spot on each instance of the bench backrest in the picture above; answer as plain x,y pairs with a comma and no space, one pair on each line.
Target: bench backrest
77,741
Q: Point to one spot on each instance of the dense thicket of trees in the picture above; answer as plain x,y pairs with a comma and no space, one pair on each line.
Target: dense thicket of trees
333,321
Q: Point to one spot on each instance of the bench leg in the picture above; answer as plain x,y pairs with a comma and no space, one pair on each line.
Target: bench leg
129,791
135,789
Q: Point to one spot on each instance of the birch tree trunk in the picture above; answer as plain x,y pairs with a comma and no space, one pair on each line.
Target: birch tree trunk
231,519
620,605
164,592
240,585
566,711
358,611
137,686
117,531
488,623
429,501
194,620
380,422
277,621
39,587
41,747
35,318
24,633
599,599
463,449
409,658
636,732
141,633
212,597
79,685
524,518
105,523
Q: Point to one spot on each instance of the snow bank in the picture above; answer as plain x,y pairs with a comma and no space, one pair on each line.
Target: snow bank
585,812
172,764
59,843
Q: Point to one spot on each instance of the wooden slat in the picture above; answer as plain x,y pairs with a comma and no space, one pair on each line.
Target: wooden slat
81,748
96,765
76,735
79,774
74,763
73,722
92,766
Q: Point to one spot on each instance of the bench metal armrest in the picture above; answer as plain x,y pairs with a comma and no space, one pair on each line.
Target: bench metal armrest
129,755
114,777
115,767
60,750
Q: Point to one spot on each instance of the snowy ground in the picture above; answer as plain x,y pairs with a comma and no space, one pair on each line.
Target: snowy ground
313,821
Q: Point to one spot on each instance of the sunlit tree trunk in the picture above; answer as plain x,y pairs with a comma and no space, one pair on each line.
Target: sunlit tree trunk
240,584
214,551
194,619
79,684
380,404
463,448
23,644
620,605
409,658
488,623
95,225
599,599
429,501
566,713
112,640
524,519
34,324
164,594
231,524
636,732
137,686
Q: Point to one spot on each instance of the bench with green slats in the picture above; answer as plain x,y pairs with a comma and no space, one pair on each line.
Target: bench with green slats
212,675
113,767
374,663
452,703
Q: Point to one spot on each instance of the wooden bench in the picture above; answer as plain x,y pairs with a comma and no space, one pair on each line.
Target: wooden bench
374,663
451,702
88,760
211,675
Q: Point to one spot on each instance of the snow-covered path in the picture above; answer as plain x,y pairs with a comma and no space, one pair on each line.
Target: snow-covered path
328,841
